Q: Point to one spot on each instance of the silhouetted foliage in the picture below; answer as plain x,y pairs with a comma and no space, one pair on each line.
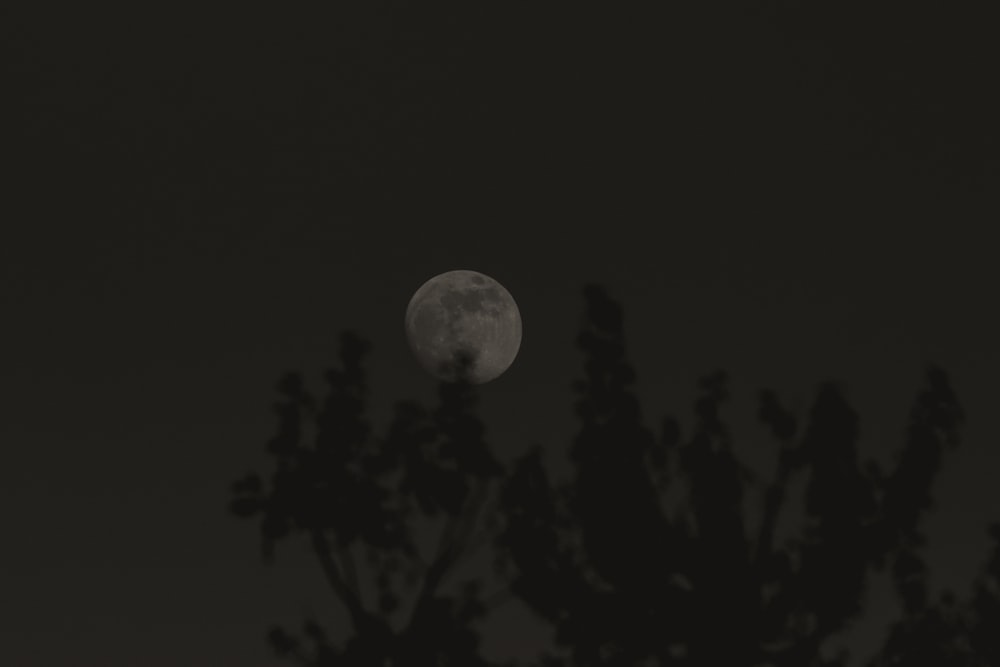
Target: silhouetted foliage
658,583
353,495
661,550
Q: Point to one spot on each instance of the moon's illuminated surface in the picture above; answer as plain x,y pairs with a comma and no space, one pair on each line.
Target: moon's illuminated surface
463,316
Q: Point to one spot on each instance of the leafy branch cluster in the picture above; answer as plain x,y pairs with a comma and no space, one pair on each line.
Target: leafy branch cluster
650,555
352,494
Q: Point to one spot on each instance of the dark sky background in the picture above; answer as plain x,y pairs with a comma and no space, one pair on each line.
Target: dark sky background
200,201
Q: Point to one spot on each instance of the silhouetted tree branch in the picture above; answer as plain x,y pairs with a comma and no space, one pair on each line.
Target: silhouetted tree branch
645,557
347,487
680,577
349,597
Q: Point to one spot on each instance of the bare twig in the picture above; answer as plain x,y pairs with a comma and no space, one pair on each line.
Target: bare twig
462,539
478,540
353,602
350,571
773,499
453,540
498,598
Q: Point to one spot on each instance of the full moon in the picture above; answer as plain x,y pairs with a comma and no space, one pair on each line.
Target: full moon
463,325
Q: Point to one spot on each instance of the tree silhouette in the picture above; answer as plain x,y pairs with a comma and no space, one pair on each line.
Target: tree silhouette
349,492
687,582
661,550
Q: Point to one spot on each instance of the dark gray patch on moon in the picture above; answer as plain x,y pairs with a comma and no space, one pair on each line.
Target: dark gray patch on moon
461,366
428,324
468,300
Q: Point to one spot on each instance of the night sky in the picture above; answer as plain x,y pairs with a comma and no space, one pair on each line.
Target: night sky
198,202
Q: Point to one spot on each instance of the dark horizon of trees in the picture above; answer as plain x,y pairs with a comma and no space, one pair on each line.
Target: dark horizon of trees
647,556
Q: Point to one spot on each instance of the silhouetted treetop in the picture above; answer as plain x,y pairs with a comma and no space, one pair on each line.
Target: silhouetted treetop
654,552
355,495
682,574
